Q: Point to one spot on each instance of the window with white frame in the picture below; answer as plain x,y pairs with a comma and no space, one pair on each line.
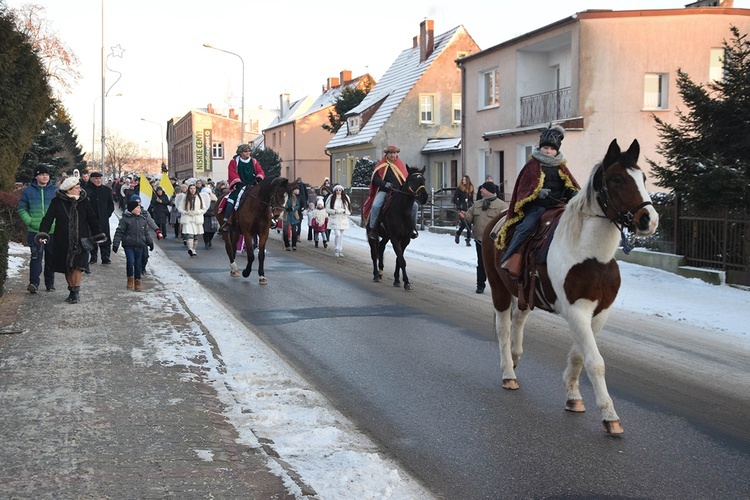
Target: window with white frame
440,175
456,109
489,88
353,124
655,86
426,108
716,65
217,150
484,168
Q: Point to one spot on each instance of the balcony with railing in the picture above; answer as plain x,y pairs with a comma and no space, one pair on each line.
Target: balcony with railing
546,107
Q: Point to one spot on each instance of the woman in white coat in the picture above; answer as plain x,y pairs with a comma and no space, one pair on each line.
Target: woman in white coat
339,209
192,207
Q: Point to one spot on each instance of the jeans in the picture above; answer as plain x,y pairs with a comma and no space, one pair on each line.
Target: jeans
39,253
524,228
377,204
133,256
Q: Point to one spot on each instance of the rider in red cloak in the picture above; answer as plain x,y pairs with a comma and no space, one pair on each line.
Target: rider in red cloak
389,173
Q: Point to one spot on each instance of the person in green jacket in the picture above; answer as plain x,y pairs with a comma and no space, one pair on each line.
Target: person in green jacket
34,202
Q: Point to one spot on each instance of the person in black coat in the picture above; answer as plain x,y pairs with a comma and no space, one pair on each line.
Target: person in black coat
159,209
70,210
103,204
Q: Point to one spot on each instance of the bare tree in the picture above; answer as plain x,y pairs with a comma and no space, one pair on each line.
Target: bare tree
119,153
59,61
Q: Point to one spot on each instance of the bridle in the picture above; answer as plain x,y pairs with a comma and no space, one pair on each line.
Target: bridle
624,219
410,191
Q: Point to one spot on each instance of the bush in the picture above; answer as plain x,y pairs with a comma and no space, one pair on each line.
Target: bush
12,228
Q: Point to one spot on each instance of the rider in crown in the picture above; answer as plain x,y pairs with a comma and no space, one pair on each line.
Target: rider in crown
543,182
243,171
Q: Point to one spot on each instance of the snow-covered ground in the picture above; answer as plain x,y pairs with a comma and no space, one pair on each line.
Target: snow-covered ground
266,398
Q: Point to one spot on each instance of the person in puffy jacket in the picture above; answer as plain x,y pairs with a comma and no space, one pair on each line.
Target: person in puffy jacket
34,203
132,232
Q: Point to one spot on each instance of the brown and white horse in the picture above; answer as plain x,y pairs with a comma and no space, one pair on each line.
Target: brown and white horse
581,277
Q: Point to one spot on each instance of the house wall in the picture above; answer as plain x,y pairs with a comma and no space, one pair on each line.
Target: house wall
610,53
403,129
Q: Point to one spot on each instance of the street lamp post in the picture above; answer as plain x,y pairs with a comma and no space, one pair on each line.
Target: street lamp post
161,129
242,129
93,127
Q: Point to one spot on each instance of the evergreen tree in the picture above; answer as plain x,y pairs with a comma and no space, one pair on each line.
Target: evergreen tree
349,99
269,160
362,172
56,148
24,98
708,153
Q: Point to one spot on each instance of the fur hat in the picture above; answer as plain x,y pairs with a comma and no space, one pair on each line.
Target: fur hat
132,205
338,187
392,149
69,183
320,202
95,174
552,137
490,186
41,169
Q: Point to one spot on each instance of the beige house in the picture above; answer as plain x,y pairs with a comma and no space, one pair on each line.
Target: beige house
600,74
417,102
297,134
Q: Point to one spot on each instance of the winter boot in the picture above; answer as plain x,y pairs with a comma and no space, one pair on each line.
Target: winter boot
316,244
137,285
130,282
74,296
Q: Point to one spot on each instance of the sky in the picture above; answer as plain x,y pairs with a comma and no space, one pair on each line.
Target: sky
286,47
313,437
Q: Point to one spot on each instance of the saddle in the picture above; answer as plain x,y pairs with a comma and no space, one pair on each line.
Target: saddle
533,267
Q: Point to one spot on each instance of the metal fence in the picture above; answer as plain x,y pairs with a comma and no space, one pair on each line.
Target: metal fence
720,242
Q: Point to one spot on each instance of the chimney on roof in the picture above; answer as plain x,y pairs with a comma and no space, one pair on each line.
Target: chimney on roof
284,105
426,39
332,82
233,115
415,42
346,76
211,108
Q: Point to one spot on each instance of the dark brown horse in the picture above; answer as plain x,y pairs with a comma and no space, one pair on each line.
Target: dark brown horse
396,225
581,278
259,204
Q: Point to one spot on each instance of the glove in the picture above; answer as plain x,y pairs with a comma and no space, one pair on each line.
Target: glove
114,248
151,246
100,238
158,235
388,185
42,238
543,193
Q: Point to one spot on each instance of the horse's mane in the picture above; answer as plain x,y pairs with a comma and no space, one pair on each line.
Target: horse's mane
268,185
577,206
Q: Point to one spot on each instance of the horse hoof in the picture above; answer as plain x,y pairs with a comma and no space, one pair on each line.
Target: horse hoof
613,428
245,273
407,286
234,274
397,284
575,406
262,280
376,279
510,384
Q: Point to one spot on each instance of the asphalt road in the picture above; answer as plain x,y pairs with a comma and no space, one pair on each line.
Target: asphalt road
419,372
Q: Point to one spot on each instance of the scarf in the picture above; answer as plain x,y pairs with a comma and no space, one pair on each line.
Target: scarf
486,202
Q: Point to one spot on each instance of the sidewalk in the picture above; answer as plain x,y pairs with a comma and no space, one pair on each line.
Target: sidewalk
87,410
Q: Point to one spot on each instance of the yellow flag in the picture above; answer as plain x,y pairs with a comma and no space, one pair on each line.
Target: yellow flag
166,185
145,193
